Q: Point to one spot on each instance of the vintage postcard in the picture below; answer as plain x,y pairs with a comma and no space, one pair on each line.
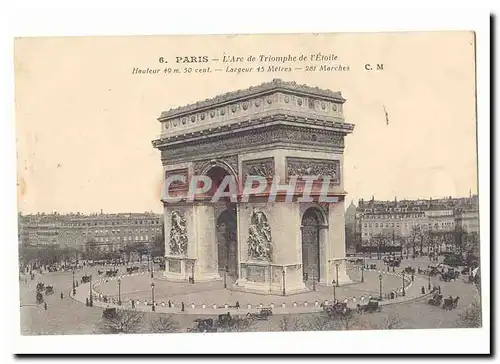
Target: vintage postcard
247,183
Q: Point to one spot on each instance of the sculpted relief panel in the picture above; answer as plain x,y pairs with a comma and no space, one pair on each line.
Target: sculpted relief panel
259,240
178,234
299,167
259,167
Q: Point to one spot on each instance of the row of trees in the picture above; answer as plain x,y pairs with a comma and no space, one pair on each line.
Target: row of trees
419,241
47,254
54,254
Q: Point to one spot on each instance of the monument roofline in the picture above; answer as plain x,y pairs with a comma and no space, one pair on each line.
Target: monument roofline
275,85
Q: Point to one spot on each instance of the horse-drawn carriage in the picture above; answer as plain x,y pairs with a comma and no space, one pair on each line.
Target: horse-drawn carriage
263,314
131,270
86,279
450,275
111,273
370,307
203,325
392,261
450,303
409,270
436,300
336,309
49,290
40,286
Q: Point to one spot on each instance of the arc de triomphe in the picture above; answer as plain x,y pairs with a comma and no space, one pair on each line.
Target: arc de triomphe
276,129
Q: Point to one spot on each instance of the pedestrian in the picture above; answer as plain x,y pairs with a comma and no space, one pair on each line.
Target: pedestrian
182,306
439,289
237,305
133,304
422,290
412,278
45,306
62,296
169,304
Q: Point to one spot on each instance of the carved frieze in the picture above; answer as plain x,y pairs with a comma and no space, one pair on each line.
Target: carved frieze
300,167
259,239
259,167
178,234
327,140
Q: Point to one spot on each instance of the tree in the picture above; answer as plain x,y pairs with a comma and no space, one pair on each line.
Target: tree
325,322
123,322
163,324
471,317
241,324
289,323
391,322
416,238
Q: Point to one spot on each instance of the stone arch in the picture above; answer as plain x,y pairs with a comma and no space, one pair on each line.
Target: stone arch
314,236
217,163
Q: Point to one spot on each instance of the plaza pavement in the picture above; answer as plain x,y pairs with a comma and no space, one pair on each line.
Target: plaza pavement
69,316
201,298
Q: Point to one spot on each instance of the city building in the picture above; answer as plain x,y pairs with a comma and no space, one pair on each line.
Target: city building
108,232
276,129
448,219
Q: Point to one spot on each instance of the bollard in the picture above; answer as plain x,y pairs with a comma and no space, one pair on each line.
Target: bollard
203,306
305,304
192,305
283,305
272,305
225,305
214,306
295,304
316,303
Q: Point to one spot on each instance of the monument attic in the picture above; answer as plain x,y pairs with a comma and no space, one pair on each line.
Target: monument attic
274,130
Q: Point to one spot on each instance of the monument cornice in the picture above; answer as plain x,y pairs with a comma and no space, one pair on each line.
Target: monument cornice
318,125
276,85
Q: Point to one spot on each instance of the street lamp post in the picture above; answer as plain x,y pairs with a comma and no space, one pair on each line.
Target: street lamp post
152,267
225,277
149,267
404,293
74,287
91,300
429,284
363,270
284,289
314,280
380,284
153,296
337,273
119,292
334,296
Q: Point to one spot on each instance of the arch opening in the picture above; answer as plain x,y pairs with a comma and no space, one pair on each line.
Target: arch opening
310,232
